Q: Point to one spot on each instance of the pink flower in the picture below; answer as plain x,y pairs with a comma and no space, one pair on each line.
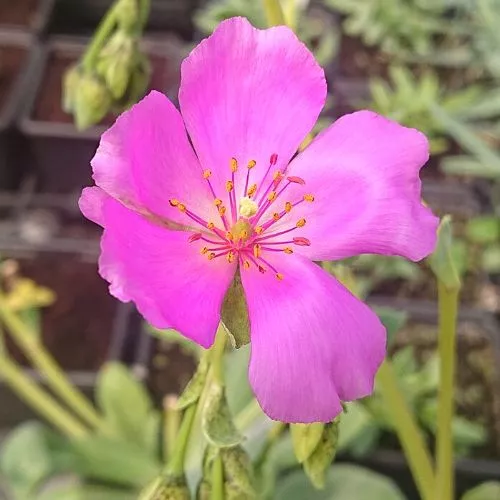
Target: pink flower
181,214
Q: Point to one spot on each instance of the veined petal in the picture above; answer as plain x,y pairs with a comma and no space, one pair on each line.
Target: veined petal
172,284
313,343
145,159
248,93
364,173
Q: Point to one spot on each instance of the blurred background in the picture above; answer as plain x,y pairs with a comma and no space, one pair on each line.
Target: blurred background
429,64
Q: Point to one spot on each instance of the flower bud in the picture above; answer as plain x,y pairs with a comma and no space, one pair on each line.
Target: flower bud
138,82
71,81
127,15
167,488
92,101
238,474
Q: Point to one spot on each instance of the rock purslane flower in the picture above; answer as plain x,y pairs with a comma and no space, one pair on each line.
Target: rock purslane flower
188,200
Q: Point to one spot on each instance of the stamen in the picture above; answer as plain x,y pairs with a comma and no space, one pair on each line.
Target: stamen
194,237
296,180
274,159
272,162
217,202
268,264
181,207
288,207
251,164
271,196
204,250
230,257
309,198
258,229
246,264
211,256
233,165
302,242
273,235
222,210
288,250
276,216
257,250
173,202
301,223
252,190
210,225
207,173
279,276
229,186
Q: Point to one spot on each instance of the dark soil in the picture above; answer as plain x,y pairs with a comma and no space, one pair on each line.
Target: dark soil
11,62
477,397
77,328
48,103
171,369
18,12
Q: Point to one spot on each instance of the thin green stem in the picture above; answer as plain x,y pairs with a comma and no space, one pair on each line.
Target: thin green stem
217,491
103,32
448,310
175,465
274,13
172,422
217,355
40,400
410,437
56,379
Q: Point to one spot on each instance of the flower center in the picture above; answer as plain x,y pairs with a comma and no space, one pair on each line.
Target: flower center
245,235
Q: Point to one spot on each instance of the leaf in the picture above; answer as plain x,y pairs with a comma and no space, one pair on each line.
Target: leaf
193,390
112,461
238,390
393,320
484,229
343,482
216,420
354,422
30,454
487,491
320,460
490,260
305,438
234,313
172,336
79,491
125,403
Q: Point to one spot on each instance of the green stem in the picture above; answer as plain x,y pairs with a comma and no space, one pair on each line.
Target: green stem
217,492
56,378
448,310
39,400
145,8
217,355
410,437
104,30
172,424
274,13
175,465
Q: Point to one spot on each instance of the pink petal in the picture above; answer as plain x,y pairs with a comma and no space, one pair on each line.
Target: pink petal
248,93
313,343
145,159
364,174
172,284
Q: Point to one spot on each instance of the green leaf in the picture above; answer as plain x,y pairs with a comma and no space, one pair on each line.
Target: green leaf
122,463
79,491
238,390
234,313
305,439
441,261
30,454
490,261
484,229
354,422
238,474
320,460
216,420
193,390
343,482
393,320
125,403
487,491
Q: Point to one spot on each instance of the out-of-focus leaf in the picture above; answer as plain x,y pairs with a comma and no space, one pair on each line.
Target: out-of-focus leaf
193,390
487,491
393,320
238,390
490,261
484,229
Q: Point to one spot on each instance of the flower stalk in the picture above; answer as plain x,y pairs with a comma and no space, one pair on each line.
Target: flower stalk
217,491
274,13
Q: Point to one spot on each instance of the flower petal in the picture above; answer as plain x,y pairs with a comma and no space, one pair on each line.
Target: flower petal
172,284
248,93
313,343
145,159
364,173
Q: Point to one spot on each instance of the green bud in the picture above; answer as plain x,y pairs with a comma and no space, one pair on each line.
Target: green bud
71,81
127,15
234,313
305,439
167,488
193,390
92,101
216,420
238,474
138,83
318,462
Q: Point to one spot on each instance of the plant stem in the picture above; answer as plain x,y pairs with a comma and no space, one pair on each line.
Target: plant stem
217,355
40,400
274,13
175,465
102,33
410,437
448,310
56,378
217,492
172,424
145,8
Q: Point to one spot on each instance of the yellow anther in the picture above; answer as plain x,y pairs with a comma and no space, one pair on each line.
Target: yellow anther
279,276
258,229
222,210
211,256
230,257
173,202
257,250
207,173
244,234
277,175
204,250
309,197
217,202
229,186
288,207
251,190
276,216
229,236
261,269
181,207
233,164
301,223
248,207
246,264
271,196
251,164
210,225
288,250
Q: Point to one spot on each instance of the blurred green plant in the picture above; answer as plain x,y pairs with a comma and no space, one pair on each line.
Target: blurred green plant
113,73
